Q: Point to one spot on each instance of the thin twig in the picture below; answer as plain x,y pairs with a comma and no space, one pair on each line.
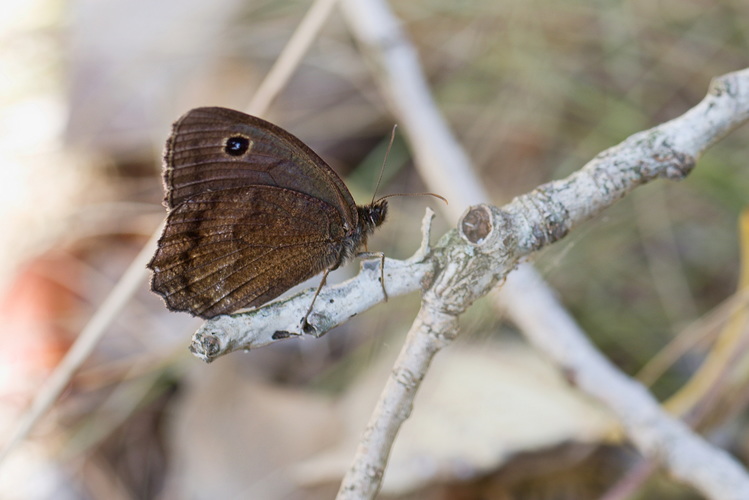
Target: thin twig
84,344
290,57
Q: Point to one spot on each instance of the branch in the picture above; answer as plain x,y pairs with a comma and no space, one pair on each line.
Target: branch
525,297
471,260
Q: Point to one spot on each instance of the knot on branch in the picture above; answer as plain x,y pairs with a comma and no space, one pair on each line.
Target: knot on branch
476,224
550,222
725,84
659,156
205,346
472,259
486,227
673,165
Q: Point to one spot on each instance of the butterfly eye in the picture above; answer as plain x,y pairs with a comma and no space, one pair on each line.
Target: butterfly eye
237,146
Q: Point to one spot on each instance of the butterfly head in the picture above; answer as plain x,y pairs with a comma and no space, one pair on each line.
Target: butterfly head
373,215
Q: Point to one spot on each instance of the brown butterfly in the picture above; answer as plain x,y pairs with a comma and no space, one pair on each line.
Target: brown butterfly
251,212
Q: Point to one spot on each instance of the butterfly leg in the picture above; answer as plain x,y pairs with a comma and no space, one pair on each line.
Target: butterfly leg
305,325
381,256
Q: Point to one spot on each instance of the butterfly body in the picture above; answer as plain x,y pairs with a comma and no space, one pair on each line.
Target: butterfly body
252,212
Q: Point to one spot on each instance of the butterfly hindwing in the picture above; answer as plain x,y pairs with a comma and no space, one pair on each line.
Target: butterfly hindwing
241,247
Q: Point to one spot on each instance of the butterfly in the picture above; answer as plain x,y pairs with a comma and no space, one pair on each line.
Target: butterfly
251,212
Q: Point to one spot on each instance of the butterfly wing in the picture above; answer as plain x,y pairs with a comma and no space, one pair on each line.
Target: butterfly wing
239,247
197,160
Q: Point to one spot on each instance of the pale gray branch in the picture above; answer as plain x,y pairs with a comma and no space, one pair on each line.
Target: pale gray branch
524,296
489,242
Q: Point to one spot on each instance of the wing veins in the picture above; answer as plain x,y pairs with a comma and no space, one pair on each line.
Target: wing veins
249,262
257,291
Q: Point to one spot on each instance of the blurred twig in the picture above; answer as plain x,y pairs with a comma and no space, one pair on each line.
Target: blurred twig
701,395
290,57
727,354
702,332
83,346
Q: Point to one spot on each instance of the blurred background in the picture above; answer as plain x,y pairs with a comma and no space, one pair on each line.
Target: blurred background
88,90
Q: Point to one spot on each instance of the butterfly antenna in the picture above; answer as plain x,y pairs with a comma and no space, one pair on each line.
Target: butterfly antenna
384,161
416,194
382,169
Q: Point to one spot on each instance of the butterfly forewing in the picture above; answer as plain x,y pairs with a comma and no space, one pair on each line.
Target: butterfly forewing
240,247
197,160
